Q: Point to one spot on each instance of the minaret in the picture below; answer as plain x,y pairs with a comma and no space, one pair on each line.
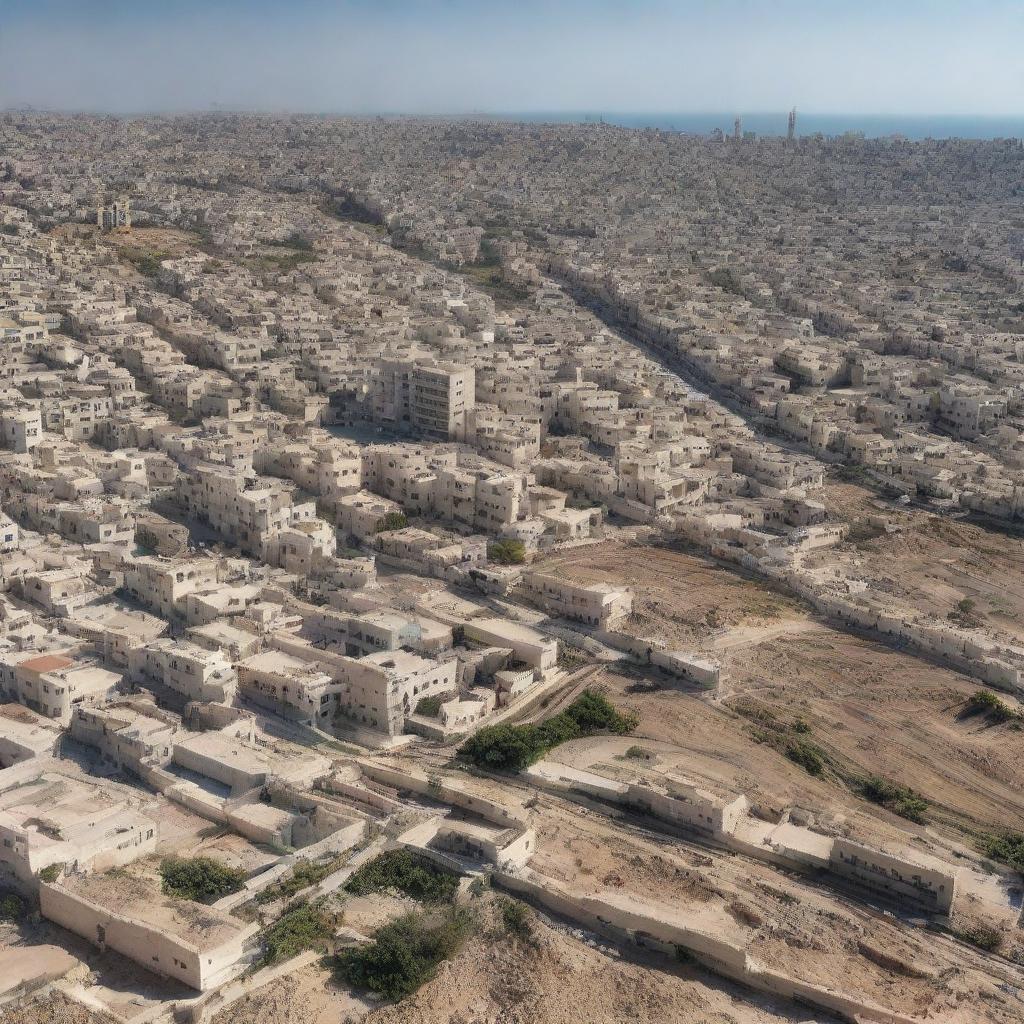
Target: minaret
791,129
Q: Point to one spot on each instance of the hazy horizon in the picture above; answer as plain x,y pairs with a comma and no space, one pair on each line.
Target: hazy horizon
453,57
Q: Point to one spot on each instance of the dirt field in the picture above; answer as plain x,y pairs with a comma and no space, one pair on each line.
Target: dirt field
931,562
679,598
55,1009
874,710
559,979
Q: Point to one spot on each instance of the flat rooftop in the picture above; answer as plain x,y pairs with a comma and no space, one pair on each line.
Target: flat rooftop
140,900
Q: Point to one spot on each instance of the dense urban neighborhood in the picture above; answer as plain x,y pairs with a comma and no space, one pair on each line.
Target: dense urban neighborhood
494,572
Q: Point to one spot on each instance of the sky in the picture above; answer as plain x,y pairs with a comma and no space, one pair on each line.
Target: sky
943,57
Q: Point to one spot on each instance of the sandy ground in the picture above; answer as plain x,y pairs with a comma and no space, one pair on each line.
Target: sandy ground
875,709
931,562
55,1009
679,598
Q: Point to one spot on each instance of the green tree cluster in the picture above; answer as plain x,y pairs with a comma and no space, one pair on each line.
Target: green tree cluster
515,747
308,926
406,873
201,879
405,954
507,552
392,521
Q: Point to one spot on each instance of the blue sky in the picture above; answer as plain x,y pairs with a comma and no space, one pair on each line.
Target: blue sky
440,56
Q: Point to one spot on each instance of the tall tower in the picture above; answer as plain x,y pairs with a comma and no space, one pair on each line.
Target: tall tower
737,129
791,129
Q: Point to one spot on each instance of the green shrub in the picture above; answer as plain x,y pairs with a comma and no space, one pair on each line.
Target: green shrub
808,755
392,521
980,935
12,907
637,752
51,872
899,799
593,712
986,702
1007,848
304,873
429,706
405,954
401,870
515,747
507,552
506,748
517,918
202,879
308,926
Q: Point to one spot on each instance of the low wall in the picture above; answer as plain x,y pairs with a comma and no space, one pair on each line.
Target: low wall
443,793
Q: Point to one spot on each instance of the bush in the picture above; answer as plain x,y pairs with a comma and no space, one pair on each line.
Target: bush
12,907
592,711
304,874
399,869
201,879
638,753
429,706
405,953
51,873
808,755
517,918
306,927
507,552
899,799
515,747
506,748
1007,848
986,702
980,935
392,521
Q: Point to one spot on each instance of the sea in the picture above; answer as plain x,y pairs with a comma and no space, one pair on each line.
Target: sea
872,126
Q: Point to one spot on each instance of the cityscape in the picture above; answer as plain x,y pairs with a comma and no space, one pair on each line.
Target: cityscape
485,569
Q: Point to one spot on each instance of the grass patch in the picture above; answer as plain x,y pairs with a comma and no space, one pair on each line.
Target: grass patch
51,872
401,870
808,755
980,935
304,874
405,954
789,738
900,800
517,919
515,747
145,261
309,926
1007,848
201,879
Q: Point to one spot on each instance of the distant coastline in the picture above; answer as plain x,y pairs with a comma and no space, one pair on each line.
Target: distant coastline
912,126
762,124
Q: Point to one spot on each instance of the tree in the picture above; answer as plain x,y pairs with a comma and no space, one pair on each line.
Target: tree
507,552
392,521
405,953
202,879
